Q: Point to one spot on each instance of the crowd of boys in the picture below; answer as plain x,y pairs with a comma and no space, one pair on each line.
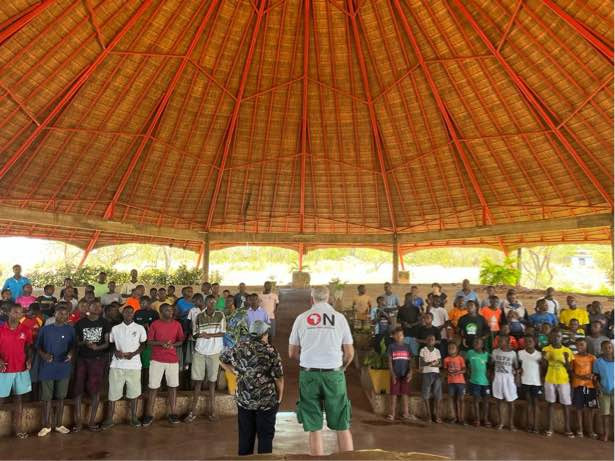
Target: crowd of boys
122,342
495,350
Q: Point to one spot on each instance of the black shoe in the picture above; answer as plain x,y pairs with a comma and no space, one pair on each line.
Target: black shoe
147,421
173,419
106,425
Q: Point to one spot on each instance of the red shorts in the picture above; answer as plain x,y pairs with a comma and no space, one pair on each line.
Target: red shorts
89,375
401,387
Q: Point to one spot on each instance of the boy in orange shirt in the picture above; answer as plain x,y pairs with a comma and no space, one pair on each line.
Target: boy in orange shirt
455,367
584,396
362,305
458,311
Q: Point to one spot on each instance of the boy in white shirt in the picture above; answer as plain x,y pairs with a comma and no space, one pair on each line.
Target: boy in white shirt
531,384
129,340
430,361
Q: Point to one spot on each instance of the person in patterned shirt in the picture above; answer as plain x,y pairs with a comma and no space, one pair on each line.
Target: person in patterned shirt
260,387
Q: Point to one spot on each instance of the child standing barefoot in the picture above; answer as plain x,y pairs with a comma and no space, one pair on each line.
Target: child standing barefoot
583,388
401,373
557,380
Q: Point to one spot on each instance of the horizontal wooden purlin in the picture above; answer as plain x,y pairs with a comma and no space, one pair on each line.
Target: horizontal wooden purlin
43,218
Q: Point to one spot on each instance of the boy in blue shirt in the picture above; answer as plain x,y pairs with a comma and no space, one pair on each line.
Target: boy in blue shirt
603,368
542,316
55,344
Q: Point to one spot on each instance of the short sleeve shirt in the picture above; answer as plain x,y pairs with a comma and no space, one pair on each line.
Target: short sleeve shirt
268,302
505,361
320,332
400,357
362,303
478,362
92,331
492,318
430,356
13,346
440,316
165,331
582,365
57,341
556,372
205,323
604,369
108,298
127,338
530,366
568,314
16,286
454,365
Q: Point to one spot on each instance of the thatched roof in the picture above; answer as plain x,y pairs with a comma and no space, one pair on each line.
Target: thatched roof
335,117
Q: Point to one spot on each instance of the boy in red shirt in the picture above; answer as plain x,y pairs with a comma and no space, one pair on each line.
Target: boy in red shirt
455,367
163,336
15,362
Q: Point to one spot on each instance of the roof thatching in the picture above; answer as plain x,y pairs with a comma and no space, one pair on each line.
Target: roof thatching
307,116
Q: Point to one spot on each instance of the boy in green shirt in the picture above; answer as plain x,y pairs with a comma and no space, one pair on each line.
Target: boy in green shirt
477,361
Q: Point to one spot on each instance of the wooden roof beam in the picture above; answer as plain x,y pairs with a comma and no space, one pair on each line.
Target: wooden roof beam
228,138
487,216
78,83
23,18
160,110
80,222
534,103
592,37
372,112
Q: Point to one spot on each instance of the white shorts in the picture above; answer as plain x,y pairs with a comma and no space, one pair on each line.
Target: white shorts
157,370
558,390
118,377
504,387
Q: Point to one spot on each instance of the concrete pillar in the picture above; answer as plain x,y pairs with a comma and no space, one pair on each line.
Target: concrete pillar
395,260
205,260
301,257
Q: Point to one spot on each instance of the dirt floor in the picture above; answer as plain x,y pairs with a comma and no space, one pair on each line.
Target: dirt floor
205,440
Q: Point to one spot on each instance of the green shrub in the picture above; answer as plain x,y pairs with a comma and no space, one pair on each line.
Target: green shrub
492,273
378,360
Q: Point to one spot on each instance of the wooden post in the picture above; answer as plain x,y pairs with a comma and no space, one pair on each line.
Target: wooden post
395,259
301,257
519,265
206,258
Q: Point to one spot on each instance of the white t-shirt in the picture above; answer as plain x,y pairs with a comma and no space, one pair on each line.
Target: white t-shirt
268,302
192,315
320,332
430,356
440,316
108,298
552,306
127,338
128,287
530,364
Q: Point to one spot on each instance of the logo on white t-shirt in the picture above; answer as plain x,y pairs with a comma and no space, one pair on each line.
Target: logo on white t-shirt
316,320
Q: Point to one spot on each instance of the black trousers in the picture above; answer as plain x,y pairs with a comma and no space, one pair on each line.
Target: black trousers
256,423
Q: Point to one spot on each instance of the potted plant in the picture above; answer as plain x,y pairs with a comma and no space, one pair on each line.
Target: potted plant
377,363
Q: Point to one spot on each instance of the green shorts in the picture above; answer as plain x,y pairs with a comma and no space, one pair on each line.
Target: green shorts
146,356
605,402
51,389
320,391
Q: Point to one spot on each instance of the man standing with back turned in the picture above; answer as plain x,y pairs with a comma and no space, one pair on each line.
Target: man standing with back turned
322,342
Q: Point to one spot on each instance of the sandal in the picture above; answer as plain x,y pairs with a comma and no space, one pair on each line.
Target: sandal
77,428
579,434
93,428
593,435
499,427
487,424
407,418
570,435
438,421
22,435
548,433
390,418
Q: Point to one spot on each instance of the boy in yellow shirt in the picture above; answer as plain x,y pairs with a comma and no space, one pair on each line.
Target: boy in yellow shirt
557,380
362,304
573,312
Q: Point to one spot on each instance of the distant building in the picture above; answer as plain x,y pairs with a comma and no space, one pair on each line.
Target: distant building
582,258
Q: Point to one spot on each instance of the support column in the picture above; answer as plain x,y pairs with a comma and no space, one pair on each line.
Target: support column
519,264
205,259
395,259
301,257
